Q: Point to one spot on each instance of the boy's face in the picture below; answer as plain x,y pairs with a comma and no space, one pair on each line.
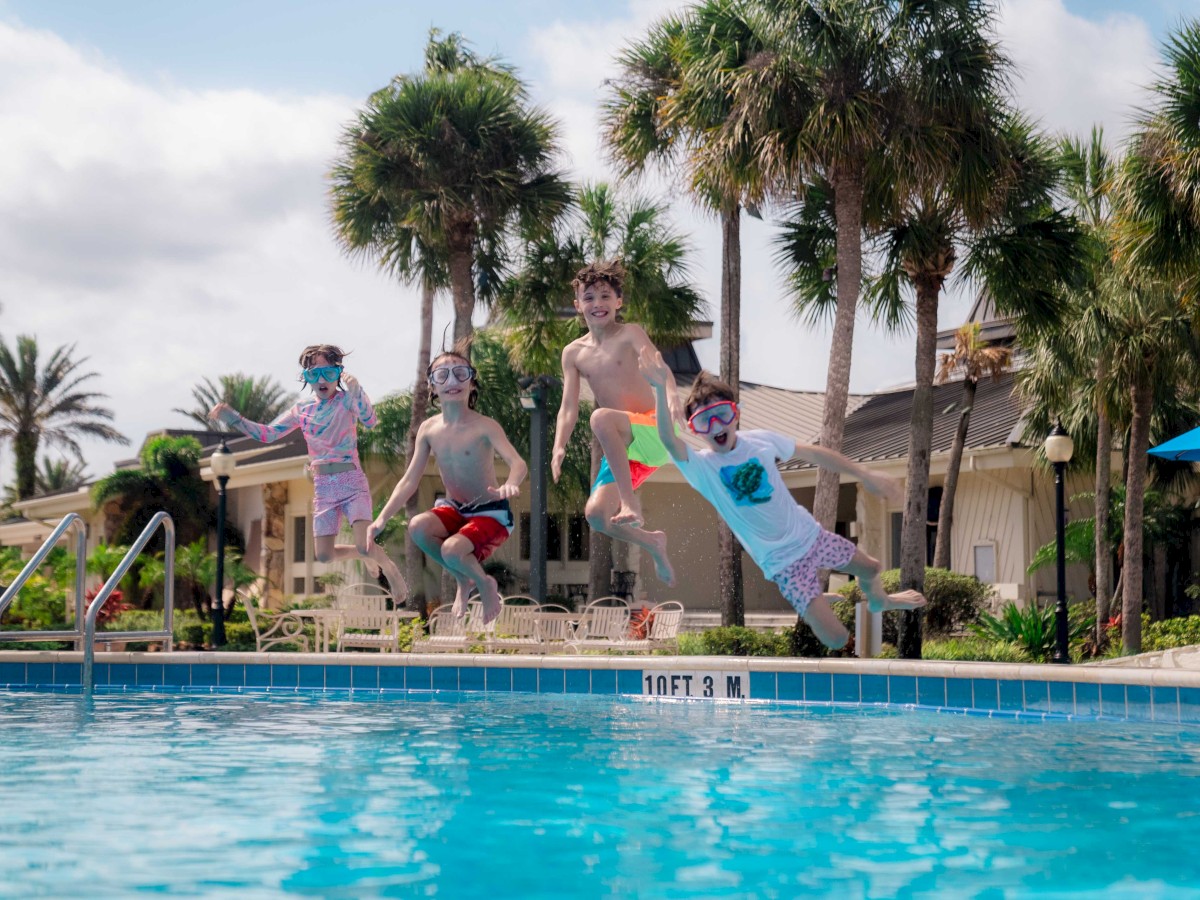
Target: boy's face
451,379
598,303
716,423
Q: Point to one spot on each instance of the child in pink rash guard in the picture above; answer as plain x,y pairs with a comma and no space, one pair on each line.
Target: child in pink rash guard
329,423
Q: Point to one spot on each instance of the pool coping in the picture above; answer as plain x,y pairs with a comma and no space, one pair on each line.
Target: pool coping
980,688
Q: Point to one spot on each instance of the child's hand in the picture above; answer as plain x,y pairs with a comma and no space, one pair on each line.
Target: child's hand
505,491
882,486
556,462
220,412
374,530
349,382
652,367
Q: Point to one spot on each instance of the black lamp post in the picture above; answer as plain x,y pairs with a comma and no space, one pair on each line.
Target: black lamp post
533,399
1059,448
223,464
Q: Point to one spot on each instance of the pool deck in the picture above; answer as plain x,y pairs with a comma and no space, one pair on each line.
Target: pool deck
1133,693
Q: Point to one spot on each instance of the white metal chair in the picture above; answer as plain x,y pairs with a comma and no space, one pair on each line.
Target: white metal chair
362,596
271,628
603,624
448,633
514,628
371,628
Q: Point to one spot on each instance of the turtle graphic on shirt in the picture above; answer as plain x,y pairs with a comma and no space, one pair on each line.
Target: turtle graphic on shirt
747,483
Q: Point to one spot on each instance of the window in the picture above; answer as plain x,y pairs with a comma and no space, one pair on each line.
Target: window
525,528
577,539
299,539
299,586
985,562
554,538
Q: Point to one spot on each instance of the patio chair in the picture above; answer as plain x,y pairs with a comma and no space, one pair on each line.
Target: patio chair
271,628
362,596
514,628
604,623
447,633
369,628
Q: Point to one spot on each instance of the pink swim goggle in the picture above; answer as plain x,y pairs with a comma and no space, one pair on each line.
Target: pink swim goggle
724,412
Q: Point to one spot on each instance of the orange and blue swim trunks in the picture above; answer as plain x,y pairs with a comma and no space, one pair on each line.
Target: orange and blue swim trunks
646,452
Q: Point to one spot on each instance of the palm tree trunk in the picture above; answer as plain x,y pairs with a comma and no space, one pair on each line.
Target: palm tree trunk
1103,498
945,526
848,199
1135,499
733,601
600,558
414,558
25,446
914,540
462,287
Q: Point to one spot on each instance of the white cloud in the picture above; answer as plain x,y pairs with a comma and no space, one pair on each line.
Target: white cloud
175,234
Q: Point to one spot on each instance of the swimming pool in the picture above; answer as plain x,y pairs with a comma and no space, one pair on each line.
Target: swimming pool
520,795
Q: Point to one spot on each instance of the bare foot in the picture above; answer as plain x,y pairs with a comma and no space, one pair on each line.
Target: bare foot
396,583
629,514
658,553
902,600
462,597
489,594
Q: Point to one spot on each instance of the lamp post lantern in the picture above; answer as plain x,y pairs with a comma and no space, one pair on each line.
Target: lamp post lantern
1059,448
533,399
223,464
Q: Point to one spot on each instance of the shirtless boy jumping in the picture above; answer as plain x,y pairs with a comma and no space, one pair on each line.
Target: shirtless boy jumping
624,418
466,527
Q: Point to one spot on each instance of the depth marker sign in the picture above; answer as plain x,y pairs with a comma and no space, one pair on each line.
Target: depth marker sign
698,685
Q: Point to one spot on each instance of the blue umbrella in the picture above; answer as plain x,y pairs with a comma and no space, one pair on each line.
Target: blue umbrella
1184,447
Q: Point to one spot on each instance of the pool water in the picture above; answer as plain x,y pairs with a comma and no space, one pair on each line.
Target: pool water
497,796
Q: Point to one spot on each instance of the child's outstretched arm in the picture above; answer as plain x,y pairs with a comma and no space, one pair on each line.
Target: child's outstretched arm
658,373
568,412
284,425
836,462
405,486
673,405
517,469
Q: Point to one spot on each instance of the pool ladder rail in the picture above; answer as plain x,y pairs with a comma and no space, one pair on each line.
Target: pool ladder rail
84,633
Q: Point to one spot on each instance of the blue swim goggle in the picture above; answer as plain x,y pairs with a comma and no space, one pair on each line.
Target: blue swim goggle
322,373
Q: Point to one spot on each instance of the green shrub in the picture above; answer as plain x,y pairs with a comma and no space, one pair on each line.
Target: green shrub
955,601
976,649
735,640
1032,629
1169,633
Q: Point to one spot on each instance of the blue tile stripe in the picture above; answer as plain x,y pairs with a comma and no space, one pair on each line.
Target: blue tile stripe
1025,699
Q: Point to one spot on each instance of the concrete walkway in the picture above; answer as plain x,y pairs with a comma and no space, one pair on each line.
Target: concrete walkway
1179,658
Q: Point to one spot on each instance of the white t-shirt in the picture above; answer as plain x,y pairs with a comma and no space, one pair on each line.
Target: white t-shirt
749,494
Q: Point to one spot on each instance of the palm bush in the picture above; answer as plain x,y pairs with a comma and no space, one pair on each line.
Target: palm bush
1032,629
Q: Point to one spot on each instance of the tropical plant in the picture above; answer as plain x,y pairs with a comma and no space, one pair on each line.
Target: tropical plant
47,403
196,573
1032,629
669,106
258,399
973,358
456,154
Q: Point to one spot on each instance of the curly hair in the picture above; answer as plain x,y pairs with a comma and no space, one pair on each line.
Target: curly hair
706,390
334,354
610,271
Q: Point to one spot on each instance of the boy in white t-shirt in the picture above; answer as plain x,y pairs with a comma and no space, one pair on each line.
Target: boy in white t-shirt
736,472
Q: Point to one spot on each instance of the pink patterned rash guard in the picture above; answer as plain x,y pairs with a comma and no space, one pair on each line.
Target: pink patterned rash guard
328,426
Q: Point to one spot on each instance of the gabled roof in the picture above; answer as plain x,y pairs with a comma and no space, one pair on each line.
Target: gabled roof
994,327
290,446
879,428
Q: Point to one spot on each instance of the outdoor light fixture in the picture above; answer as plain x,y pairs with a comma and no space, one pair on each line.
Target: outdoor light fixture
1059,447
222,464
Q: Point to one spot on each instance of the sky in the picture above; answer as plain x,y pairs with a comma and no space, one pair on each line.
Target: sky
163,192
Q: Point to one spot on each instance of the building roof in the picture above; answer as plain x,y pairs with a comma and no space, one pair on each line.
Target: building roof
879,428
290,446
994,327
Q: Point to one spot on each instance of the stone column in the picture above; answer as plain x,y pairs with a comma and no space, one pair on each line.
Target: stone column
274,524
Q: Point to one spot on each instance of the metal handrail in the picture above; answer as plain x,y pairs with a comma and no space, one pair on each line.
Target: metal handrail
68,521
93,610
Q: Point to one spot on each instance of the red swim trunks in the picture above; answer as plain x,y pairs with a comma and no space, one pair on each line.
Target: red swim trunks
485,525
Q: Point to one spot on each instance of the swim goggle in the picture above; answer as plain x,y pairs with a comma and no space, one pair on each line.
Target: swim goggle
442,374
724,412
322,373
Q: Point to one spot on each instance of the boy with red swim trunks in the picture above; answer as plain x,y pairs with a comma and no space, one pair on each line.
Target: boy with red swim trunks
466,527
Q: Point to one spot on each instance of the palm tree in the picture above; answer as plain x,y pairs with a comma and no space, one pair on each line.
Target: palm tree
259,399
535,309
667,107
458,155
47,403
974,358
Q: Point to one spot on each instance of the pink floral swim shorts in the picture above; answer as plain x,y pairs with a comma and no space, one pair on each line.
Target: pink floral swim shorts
342,493
799,582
